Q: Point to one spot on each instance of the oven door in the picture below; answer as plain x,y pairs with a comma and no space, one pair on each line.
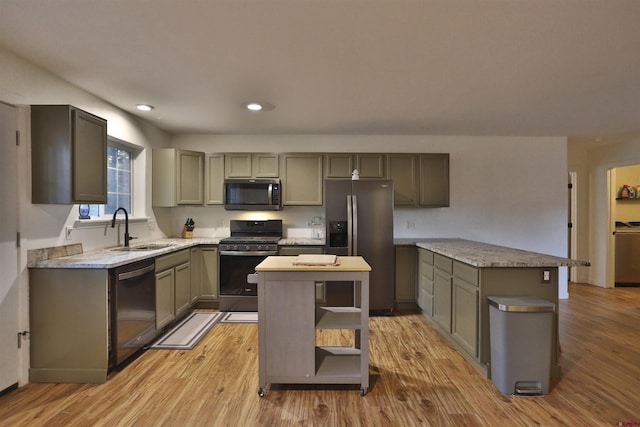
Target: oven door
236,293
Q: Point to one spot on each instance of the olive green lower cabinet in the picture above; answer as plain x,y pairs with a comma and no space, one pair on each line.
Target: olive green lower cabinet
205,287
458,305
405,276
288,320
69,322
173,287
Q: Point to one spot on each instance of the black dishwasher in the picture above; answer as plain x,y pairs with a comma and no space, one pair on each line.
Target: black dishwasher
133,309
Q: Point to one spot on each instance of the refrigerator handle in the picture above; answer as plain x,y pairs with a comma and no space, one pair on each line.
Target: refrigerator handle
349,226
354,225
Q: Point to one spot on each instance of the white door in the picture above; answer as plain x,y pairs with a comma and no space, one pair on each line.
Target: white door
9,297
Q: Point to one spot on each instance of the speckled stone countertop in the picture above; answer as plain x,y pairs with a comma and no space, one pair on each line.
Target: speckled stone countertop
473,253
109,257
485,255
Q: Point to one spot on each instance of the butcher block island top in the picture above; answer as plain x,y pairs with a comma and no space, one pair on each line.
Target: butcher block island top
296,263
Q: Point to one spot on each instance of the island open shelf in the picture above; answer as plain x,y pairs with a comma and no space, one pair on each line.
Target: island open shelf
288,320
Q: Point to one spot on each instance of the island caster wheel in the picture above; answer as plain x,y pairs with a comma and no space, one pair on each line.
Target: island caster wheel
363,391
260,392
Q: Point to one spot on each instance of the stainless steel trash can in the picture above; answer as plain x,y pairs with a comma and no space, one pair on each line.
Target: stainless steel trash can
521,331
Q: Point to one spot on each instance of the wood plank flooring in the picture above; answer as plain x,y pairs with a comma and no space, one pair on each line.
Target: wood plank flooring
417,378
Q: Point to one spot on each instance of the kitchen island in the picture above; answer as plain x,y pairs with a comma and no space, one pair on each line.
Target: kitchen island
456,276
288,320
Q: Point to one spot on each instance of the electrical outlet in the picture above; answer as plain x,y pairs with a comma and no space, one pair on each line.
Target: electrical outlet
67,232
411,224
546,276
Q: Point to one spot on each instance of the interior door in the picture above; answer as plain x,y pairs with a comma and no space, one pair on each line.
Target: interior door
9,297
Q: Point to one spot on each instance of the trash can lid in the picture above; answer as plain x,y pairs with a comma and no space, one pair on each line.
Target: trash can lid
521,304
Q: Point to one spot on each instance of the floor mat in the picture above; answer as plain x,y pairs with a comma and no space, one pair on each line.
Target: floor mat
239,317
186,334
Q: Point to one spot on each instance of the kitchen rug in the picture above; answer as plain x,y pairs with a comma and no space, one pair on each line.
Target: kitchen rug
239,317
186,334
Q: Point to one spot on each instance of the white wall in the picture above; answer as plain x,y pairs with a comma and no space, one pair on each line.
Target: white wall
23,84
509,191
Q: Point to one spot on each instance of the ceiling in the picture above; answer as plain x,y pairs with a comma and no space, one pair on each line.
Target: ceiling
437,67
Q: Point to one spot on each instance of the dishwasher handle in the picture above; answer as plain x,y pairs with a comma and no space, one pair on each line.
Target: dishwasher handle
136,273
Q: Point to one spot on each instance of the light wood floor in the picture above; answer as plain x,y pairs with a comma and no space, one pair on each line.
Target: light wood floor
417,378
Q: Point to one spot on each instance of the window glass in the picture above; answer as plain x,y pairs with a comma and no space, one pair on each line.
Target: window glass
119,183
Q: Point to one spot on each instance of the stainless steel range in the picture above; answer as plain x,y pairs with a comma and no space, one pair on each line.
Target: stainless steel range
249,244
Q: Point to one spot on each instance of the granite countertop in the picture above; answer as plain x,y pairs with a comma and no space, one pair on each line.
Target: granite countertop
109,257
485,255
469,252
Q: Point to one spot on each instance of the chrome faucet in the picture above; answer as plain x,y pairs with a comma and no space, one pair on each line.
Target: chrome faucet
126,225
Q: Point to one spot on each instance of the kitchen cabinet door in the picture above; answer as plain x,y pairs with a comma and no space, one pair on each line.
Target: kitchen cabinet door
338,165
442,299
434,180
406,269
251,165
182,298
464,328
214,184
177,177
301,179
403,171
209,283
68,155
165,284
371,165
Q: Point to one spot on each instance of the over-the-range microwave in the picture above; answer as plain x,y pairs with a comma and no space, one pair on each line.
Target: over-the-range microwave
252,194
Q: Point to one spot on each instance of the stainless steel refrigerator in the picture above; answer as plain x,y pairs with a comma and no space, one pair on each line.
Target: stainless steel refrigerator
359,221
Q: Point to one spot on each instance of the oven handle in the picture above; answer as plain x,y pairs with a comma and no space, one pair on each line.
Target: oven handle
249,253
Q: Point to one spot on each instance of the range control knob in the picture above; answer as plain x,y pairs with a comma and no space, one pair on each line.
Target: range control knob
247,248
235,247
260,247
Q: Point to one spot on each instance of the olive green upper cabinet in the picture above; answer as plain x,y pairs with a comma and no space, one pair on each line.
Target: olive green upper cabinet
341,165
434,180
338,165
68,155
402,169
301,176
371,165
251,165
214,181
178,177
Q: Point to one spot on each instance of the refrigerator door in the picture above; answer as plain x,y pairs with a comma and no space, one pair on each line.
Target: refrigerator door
337,217
373,224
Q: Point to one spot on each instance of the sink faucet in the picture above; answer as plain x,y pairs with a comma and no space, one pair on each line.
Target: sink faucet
126,225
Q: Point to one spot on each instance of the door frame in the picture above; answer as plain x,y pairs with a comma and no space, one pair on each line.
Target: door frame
11,360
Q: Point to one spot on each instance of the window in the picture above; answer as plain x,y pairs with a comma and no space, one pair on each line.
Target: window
119,184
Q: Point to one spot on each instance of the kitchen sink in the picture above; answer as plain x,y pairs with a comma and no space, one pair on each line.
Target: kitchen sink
142,247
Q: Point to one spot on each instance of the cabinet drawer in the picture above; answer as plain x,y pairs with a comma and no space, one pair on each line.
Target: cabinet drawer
426,256
173,259
443,263
465,272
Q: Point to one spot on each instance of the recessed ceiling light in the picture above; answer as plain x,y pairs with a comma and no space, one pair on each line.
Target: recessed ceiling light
145,107
258,106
